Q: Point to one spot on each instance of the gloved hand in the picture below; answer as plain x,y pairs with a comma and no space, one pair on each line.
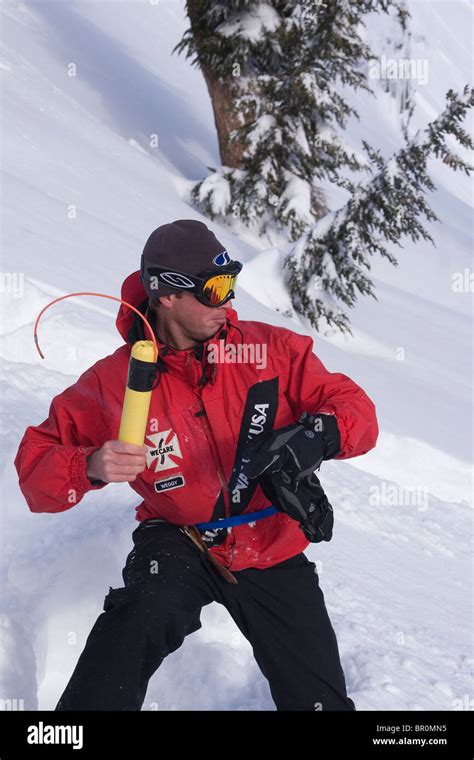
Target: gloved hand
297,449
284,462
308,504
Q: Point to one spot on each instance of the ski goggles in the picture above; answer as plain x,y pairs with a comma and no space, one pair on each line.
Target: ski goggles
212,288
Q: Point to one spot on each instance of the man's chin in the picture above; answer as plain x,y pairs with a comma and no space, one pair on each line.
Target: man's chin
210,333
213,331
216,324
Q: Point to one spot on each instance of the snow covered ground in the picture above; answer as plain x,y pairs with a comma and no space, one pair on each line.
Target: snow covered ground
86,86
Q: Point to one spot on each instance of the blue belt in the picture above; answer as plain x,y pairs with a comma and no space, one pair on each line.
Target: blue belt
228,522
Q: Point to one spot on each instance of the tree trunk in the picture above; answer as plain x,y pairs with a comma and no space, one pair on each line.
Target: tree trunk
223,99
223,94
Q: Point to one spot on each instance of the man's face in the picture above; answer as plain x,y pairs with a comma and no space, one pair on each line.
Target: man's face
195,320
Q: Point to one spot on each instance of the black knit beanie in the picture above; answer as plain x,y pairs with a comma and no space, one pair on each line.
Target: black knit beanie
185,245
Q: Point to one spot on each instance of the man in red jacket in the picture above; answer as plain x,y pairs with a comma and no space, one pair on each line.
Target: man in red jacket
241,417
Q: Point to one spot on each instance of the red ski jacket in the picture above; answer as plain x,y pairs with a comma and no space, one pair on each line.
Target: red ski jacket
201,414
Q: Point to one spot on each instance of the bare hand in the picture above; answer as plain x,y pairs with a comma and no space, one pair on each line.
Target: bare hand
116,462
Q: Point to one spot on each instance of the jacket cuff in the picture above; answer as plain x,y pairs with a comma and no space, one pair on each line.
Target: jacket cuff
78,470
331,434
325,423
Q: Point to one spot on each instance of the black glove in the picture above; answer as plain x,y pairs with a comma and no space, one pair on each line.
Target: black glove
308,504
297,449
284,462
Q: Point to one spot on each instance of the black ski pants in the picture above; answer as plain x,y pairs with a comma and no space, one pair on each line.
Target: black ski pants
280,610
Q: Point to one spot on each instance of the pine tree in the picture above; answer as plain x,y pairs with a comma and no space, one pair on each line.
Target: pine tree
328,265
274,71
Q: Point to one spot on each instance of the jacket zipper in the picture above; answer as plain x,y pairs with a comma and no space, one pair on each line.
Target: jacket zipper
210,437
222,478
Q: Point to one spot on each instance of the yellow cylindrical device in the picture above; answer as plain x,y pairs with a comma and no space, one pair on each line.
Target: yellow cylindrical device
141,376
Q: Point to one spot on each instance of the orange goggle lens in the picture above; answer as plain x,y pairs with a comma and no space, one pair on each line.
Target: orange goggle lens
218,287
